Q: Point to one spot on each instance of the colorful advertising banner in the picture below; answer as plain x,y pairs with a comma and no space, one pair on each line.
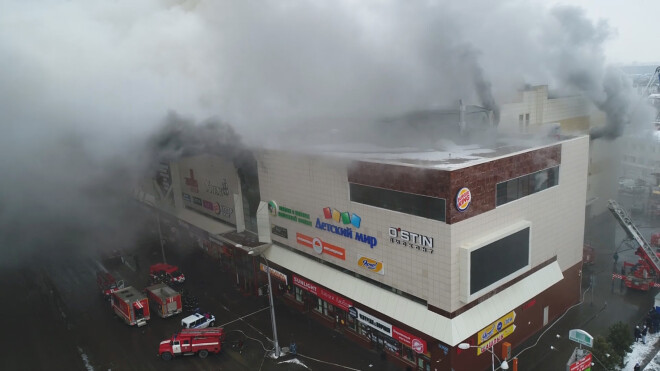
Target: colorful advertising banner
320,246
273,272
330,297
495,327
371,265
499,337
417,344
209,185
582,365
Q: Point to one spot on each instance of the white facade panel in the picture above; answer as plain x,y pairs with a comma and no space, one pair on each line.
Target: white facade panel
208,185
302,187
556,215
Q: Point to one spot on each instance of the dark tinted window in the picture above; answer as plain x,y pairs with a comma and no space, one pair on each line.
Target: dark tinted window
526,185
424,206
497,260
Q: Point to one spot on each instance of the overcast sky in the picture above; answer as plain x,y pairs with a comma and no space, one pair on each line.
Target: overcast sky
636,25
83,81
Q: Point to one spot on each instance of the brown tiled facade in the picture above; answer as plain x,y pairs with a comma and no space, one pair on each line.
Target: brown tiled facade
480,179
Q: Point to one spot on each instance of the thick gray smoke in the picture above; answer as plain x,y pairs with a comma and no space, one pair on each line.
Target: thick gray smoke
181,137
84,85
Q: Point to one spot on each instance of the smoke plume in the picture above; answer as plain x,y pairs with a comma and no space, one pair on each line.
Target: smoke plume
85,86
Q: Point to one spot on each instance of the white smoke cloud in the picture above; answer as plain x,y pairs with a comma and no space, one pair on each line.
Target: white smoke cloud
83,82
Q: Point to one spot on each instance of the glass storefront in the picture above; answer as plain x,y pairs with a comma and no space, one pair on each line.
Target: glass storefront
324,308
389,338
298,292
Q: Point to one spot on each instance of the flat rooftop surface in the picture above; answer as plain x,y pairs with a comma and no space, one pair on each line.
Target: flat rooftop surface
448,157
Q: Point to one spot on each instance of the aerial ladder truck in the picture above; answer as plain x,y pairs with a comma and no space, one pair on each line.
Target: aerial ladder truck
644,274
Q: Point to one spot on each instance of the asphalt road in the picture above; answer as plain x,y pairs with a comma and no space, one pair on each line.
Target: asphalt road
58,320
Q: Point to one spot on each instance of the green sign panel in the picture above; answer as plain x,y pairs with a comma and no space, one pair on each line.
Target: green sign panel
581,337
294,215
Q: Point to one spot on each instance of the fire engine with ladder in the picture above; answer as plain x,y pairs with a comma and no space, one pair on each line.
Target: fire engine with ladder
644,274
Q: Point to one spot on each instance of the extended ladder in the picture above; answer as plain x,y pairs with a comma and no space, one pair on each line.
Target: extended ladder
622,216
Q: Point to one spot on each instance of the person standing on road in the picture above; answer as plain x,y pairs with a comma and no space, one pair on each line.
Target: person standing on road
644,331
637,367
638,334
615,257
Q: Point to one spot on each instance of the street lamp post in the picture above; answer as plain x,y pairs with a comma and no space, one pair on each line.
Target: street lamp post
504,365
276,351
160,236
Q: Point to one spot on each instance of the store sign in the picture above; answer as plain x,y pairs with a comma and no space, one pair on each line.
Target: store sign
273,272
374,322
529,304
371,265
410,239
582,365
227,251
417,344
217,189
222,210
285,212
581,337
186,197
342,216
191,182
347,219
496,327
279,231
330,297
463,199
321,246
352,312
499,337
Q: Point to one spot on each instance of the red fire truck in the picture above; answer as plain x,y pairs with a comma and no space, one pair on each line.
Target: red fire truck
645,274
130,305
192,341
166,273
107,283
164,300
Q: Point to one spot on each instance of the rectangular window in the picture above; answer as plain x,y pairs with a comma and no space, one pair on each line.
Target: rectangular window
501,193
424,206
299,293
498,259
526,185
512,190
352,323
527,119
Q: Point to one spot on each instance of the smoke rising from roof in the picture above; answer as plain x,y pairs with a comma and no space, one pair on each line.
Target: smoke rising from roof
85,84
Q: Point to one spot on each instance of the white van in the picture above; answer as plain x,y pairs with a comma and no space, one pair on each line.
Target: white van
198,321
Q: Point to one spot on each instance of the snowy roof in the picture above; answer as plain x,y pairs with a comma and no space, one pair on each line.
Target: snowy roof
447,156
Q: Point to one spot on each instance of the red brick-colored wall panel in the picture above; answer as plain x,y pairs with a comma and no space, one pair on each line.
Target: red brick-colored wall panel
422,181
480,179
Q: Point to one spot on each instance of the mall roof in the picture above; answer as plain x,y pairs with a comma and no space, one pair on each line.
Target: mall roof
447,157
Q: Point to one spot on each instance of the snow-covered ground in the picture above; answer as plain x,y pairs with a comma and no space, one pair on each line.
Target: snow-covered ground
641,351
295,361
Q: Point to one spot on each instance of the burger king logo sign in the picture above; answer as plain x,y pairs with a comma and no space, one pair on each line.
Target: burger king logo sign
463,199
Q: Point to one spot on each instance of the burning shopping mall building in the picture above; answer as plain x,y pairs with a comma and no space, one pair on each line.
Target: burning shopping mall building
410,252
